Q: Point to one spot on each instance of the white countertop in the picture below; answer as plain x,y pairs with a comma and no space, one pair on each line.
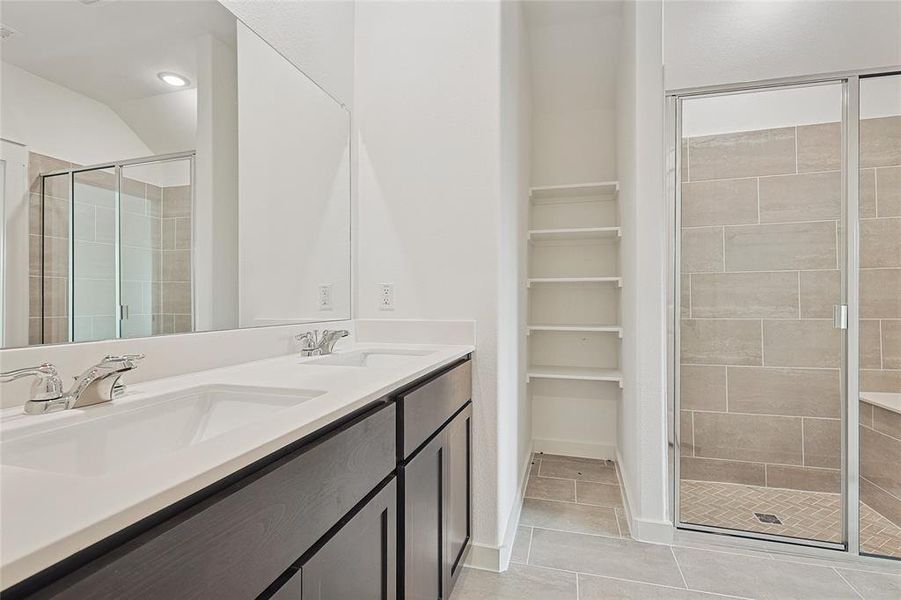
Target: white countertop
48,516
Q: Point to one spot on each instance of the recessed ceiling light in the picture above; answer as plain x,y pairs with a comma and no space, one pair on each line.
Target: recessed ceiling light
173,79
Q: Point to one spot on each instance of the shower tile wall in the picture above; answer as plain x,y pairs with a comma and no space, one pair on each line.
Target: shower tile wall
760,359
175,276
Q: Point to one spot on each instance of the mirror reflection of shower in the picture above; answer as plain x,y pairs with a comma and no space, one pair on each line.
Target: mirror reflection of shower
110,250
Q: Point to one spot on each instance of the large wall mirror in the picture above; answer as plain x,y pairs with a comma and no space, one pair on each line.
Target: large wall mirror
164,170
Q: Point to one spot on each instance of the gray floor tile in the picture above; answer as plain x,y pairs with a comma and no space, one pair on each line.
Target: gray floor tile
609,557
624,529
604,588
520,551
874,586
598,494
519,582
580,470
546,488
567,516
763,578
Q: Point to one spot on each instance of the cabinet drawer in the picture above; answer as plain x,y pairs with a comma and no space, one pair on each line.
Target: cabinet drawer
237,542
425,408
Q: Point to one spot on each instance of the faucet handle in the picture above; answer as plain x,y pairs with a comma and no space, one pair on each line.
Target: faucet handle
48,386
127,360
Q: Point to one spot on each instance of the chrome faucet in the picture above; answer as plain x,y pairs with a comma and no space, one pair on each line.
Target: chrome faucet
312,344
100,383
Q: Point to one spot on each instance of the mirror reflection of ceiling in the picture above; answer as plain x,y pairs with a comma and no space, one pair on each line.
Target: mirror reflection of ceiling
112,50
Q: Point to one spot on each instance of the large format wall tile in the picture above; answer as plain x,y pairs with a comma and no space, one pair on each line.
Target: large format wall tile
745,295
888,181
719,202
702,387
819,147
880,381
781,391
891,345
880,242
880,293
792,246
820,291
743,154
755,438
721,341
823,443
880,142
809,343
867,193
702,249
804,478
870,344
880,456
804,197
881,501
724,471
887,422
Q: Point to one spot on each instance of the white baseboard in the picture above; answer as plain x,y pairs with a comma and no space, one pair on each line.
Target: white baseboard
643,530
497,558
580,449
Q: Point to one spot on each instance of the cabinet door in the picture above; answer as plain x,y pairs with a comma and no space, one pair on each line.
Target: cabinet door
359,561
459,492
424,482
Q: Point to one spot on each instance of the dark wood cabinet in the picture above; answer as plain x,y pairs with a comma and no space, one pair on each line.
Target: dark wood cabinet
459,492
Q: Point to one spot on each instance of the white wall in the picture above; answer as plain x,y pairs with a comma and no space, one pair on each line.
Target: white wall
709,43
54,120
294,195
427,109
318,37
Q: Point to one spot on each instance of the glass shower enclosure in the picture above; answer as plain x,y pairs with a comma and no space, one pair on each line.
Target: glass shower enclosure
114,250
786,322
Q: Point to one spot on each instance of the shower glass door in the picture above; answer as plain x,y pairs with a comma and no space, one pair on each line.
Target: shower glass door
759,344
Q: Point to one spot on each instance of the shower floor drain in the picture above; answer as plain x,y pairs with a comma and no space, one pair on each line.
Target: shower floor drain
768,518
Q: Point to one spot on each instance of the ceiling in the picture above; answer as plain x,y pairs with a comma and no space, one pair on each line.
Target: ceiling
574,46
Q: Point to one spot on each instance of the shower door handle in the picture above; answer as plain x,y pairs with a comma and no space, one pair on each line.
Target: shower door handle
840,316
123,312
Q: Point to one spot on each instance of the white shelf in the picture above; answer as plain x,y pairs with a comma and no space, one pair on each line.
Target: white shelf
579,328
595,188
575,373
617,280
575,233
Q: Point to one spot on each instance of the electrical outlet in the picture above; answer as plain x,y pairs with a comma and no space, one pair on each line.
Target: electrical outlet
386,296
325,296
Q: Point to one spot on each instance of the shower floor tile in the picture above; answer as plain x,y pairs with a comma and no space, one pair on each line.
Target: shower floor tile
810,515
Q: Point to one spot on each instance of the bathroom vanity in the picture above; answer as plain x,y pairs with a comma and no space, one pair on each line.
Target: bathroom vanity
371,499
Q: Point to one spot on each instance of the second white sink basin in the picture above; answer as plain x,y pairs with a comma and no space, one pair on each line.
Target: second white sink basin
108,438
369,358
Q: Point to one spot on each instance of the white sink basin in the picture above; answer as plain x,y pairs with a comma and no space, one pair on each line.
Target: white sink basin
369,358
117,436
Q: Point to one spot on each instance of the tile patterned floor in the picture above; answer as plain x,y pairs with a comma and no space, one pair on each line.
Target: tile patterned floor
802,514
573,544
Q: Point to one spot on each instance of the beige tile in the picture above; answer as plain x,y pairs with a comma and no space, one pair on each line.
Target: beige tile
823,443
792,246
888,182
154,195
41,163
56,330
880,242
182,324
719,202
867,193
577,469
176,265
744,295
753,577
548,488
521,543
742,154
55,296
721,341
887,422
755,438
176,297
808,343
880,456
873,586
702,249
686,430
881,501
820,291
567,516
891,344
819,147
684,160
519,582
804,197
702,387
880,381
611,557
880,142
598,494
56,257
782,391
870,344
601,588
880,293
136,189
183,233
34,331
685,297
56,217
804,478
177,201
167,233
866,413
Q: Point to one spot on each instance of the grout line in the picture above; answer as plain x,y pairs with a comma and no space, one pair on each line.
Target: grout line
854,589
578,593
678,566
596,535
529,550
795,137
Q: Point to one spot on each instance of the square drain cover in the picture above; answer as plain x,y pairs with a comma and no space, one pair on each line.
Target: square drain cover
768,518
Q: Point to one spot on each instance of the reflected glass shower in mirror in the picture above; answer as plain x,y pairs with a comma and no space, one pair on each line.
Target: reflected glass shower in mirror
129,207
